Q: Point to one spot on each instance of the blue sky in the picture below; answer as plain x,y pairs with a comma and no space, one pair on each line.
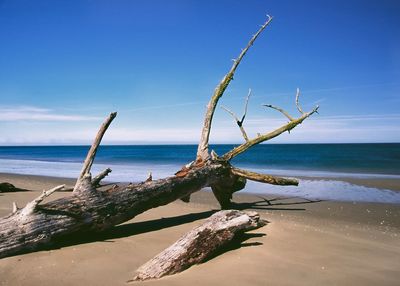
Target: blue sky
64,65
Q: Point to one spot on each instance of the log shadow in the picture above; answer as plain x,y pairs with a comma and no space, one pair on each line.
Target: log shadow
128,229
10,188
278,203
135,228
239,241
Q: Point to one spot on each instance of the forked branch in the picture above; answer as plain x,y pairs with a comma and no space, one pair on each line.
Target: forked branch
202,150
96,180
265,137
87,164
239,122
31,206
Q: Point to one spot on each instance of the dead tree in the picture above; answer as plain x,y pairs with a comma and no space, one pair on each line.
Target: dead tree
91,209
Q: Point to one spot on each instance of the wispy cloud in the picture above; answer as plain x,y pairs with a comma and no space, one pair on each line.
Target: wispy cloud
33,113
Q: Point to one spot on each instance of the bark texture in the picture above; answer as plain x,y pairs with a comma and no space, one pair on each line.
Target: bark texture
88,209
199,244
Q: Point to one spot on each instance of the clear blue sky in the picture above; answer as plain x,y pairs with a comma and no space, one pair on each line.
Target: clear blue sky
64,65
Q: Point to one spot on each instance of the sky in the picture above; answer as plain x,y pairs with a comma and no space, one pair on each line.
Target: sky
65,65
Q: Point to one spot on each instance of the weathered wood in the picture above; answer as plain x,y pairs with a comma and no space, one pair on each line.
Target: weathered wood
96,180
268,136
264,178
202,150
238,121
87,164
89,209
199,244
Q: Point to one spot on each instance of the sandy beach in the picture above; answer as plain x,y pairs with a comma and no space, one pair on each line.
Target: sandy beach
304,243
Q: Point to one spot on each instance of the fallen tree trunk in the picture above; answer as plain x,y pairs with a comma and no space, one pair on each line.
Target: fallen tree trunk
88,209
199,244
91,209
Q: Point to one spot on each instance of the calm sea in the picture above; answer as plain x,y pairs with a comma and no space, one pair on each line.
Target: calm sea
133,162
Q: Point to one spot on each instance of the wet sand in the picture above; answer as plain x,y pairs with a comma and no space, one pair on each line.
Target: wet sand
304,243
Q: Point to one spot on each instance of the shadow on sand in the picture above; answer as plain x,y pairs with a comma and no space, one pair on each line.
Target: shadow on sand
277,204
135,228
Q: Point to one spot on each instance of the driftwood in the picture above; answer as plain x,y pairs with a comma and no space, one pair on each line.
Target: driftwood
199,244
90,209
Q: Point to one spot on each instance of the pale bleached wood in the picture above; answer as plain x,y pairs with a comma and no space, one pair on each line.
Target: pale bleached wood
280,110
89,209
96,180
297,101
268,136
199,244
264,178
238,121
87,164
202,150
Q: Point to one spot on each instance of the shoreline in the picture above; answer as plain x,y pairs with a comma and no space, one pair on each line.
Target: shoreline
304,243
382,184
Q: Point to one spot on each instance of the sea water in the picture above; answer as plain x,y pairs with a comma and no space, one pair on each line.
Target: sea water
132,163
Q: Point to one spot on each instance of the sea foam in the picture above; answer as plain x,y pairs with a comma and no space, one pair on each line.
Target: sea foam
308,188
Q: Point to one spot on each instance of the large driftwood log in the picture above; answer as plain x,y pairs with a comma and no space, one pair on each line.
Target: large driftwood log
90,209
199,244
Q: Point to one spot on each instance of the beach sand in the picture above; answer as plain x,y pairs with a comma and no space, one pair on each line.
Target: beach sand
304,243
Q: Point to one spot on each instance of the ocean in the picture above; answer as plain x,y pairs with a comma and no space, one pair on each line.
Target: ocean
131,163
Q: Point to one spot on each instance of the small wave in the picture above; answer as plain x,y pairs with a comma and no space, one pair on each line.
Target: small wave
311,189
327,190
322,174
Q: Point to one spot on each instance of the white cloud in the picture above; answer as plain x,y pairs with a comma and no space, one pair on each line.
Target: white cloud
32,113
320,129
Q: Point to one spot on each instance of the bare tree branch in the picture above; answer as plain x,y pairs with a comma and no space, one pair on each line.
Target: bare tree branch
264,137
15,207
96,180
202,150
31,206
246,105
87,165
297,101
149,177
264,178
280,110
240,122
